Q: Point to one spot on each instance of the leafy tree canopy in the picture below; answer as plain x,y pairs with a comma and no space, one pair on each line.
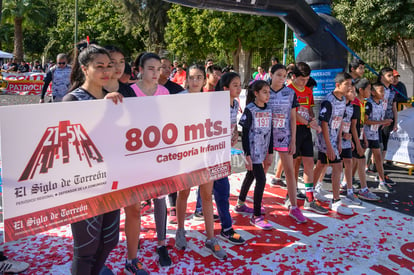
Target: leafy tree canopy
378,22
195,34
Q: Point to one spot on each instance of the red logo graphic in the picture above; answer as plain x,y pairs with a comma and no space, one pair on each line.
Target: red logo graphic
60,137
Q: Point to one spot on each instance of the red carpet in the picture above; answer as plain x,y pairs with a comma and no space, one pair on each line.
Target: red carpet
373,241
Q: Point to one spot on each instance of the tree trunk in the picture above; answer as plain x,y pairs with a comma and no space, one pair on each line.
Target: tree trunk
406,53
236,57
1,8
18,38
245,66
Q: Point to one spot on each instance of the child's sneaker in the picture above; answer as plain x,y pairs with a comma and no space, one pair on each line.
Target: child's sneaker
232,237
104,271
243,208
216,249
315,207
180,241
352,199
163,257
341,208
300,195
368,195
386,188
135,268
172,218
320,196
387,180
297,215
145,206
199,216
278,182
9,266
261,223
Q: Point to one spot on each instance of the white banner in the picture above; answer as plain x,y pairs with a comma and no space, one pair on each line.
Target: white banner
74,160
401,143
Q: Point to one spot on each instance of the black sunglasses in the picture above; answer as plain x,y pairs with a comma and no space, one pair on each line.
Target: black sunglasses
61,63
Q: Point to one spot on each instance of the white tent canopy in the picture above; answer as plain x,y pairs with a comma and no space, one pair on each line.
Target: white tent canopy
5,55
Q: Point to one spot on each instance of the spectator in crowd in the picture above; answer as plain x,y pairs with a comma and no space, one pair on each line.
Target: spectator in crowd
401,95
209,62
213,76
59,75
261,73
356,69
6,65
172,87
274,60
174,69
23,67
37,68
13,67
179,76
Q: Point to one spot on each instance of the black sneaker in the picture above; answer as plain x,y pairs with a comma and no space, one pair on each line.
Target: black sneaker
300,195
163,257
327,177
386,188
356,184
387,180
199,216
232,237
371,169
278,182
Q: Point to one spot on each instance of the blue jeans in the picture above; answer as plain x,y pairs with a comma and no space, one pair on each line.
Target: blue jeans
221,191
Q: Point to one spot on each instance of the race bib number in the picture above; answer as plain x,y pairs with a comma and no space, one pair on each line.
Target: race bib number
303,112
262,122
336,122
385,104
279,121
375,127
346,126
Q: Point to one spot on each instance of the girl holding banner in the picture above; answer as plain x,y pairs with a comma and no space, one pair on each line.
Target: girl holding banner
93,238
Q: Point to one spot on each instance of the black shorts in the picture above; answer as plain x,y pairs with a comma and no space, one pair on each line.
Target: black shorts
346,153
355,153
385,135
325,160
373,144
304,143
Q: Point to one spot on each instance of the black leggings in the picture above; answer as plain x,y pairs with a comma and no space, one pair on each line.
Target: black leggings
172,199
258,174
93,240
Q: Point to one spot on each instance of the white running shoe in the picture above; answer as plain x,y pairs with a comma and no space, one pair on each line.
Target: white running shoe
320,196
341,208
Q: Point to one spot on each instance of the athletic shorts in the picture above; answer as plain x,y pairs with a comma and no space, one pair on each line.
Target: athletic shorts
355,153
304,144
281,149
385,135
373,144
346,153
325,160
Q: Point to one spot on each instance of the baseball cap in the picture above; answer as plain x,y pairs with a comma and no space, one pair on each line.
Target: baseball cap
395,73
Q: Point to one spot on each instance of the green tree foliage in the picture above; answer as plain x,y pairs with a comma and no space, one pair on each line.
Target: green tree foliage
194,34
377,23
102,20
152,16
22,14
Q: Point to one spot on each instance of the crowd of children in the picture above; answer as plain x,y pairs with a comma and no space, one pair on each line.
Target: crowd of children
278,119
